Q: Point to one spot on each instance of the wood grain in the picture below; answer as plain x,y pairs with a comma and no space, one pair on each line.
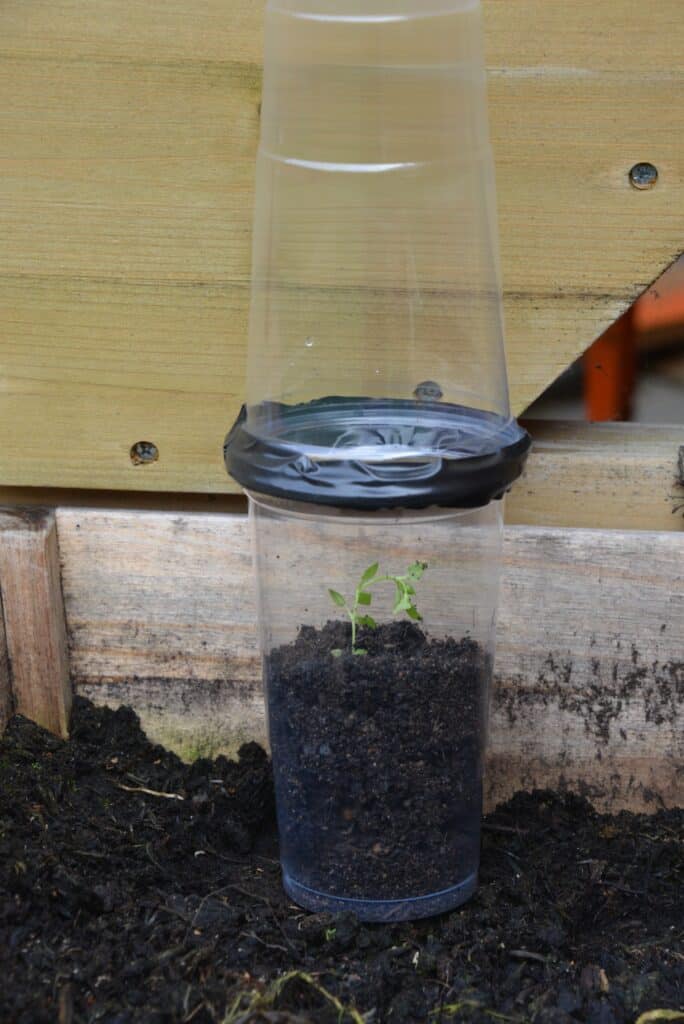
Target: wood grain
589,680
590,673
129,133
601,476
33,615
595,476
6,707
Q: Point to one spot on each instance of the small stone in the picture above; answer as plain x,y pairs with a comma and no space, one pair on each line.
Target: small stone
346,927
313,928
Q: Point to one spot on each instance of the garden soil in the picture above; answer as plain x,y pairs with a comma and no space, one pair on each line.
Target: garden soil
380,790
135,888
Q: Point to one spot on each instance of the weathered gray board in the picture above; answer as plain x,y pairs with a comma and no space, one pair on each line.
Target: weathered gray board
589,687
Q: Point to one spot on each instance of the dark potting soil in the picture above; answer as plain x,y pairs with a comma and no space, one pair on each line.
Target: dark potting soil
378,761
119,904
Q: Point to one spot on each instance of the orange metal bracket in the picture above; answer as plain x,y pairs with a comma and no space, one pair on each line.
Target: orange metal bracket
610,372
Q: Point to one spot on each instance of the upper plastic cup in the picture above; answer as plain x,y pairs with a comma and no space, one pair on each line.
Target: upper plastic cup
376,367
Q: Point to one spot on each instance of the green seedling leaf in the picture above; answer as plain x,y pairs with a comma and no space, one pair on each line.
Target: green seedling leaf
363,598
337,653
415,571
370,573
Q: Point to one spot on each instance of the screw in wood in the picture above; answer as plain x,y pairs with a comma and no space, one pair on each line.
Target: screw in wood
643,176
143,453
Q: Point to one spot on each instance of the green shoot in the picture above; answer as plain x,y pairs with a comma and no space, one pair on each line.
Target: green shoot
363,598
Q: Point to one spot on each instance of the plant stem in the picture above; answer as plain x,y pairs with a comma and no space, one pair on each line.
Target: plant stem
352,616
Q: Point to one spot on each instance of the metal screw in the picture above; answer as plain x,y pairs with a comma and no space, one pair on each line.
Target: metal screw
143,453
643,176
428,391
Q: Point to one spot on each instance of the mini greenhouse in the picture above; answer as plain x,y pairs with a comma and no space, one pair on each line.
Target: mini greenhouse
376,445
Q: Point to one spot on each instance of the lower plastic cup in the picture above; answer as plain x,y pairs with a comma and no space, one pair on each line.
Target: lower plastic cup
377,638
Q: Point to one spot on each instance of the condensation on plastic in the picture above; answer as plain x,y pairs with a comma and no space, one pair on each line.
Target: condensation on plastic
375,258
302,551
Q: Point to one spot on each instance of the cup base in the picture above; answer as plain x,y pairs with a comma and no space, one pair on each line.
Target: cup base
382,911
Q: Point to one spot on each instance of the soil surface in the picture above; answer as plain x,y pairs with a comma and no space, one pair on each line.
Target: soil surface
378,760
134,888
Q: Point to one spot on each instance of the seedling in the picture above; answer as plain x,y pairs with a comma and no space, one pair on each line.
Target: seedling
363,598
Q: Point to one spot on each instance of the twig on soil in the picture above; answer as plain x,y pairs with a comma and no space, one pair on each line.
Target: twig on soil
66,1005
149,792
262,942
87,853
266,902
237,1014
620,888
455,1009
210,896
154,860
228,860
656,1015
505,828
526,954
676,940
250,895
200,1006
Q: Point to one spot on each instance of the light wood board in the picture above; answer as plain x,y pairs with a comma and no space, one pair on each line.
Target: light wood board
129,134
589,687
599,476
624,476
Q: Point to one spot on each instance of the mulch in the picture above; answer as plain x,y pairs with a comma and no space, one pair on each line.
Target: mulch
136,888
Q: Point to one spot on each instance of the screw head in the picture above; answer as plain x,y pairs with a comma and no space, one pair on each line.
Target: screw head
428,391
643,176
143,453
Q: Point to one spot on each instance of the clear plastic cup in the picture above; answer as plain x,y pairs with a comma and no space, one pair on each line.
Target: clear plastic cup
377,634
376,335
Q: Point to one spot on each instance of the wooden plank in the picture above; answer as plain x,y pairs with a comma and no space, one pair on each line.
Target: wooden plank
6,706
595,476
130,134
590,675
33,615
613,476
589,681
155,501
